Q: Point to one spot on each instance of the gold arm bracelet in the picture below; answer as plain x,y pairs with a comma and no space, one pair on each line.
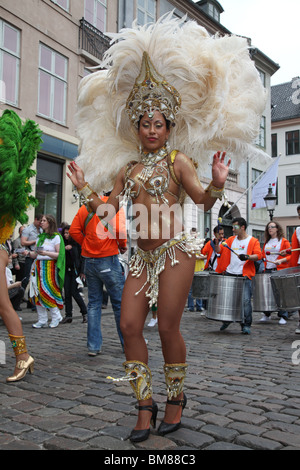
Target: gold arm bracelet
86,192
215,192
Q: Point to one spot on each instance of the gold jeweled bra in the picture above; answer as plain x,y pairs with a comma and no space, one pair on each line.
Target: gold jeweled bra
154,177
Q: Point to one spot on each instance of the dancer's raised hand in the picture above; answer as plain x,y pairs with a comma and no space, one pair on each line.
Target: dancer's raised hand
76,175
219,169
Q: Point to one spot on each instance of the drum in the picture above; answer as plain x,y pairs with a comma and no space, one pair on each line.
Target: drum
263,297
286,288
200,285
225,301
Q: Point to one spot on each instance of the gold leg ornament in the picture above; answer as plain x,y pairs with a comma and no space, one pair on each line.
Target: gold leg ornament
140,378
175,375
19,346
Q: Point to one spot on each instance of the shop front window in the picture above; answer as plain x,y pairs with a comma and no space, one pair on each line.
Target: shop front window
49,187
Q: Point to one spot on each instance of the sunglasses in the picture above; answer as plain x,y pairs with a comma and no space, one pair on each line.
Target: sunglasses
272,226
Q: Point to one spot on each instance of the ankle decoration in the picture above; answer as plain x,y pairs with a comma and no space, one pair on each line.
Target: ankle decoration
140,378
18,344
175,375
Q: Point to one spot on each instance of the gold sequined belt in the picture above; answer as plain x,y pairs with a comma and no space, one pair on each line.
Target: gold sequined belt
154,261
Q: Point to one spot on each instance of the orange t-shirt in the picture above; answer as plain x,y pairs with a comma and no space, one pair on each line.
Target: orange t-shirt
95,240
249,266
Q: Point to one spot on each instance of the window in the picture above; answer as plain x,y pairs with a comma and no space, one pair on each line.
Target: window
62,3
232,176
255,174
9,63
260,235
292,142
289,231
293,189
49,186
52,85
262,76
274,145
213,12
261,139
146,11
95,13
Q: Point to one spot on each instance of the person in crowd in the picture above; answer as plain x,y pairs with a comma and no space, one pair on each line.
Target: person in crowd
28,241
153,320
295,256
199,266
102,268
238,260
274,244
15,289
209,250
48,273
74,269
21,252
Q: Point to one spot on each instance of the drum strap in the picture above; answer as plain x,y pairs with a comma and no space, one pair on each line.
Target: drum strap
211,262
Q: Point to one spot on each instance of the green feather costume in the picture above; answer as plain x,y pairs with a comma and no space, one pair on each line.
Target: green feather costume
18,148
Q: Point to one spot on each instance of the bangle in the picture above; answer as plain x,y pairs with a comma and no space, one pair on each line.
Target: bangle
86,192
215,192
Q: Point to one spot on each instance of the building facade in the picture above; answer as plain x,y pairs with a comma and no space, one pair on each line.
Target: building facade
285,143
48,46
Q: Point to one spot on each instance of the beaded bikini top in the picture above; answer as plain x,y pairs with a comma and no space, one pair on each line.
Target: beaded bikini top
154,177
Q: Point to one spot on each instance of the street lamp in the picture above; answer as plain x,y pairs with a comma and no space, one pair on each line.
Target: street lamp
270,201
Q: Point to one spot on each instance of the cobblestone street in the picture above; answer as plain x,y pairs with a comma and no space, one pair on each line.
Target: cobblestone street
243,391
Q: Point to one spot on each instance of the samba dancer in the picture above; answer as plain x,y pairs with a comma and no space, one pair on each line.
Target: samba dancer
18,146
164,262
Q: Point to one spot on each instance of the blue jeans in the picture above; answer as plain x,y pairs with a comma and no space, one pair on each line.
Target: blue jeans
247,305
199,304
247,302
102,271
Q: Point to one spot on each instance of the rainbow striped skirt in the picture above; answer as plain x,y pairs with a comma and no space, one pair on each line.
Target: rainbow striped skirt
49,293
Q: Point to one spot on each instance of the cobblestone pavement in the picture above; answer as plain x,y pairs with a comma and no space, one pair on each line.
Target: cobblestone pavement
243,391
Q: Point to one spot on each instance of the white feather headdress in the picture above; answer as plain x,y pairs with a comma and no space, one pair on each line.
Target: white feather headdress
221,93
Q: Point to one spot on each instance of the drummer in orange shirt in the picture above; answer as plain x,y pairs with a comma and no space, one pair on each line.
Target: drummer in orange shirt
209,250
295,256
237,259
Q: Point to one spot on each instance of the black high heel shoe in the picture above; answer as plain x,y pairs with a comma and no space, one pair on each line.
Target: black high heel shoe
139,435
165,428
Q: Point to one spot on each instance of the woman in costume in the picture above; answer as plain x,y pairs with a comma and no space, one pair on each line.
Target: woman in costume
155,78
18,147
48,274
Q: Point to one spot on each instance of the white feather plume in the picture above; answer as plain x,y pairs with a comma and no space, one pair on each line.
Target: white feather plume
221,91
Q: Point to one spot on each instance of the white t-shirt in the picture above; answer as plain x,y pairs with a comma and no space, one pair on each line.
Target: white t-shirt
9,276
239,247
272,245
49,245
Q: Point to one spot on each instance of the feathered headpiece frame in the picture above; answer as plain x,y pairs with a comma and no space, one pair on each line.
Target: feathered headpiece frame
222,97
152,92
18,148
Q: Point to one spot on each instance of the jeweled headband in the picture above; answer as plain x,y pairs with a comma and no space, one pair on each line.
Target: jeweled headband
152,92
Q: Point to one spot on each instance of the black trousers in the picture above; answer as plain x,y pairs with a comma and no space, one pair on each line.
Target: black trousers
71,291
17,297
